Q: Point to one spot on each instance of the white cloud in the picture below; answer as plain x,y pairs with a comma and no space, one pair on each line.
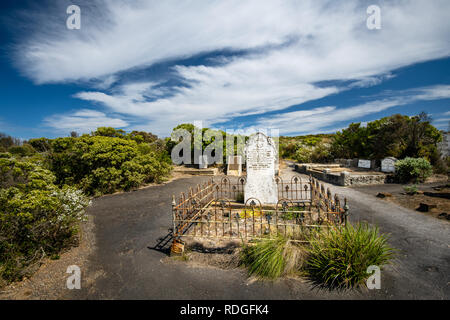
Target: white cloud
442,120
299,44
83,121
317,119
119,36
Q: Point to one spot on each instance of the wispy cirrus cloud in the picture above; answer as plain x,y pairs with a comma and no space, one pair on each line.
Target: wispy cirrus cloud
83,121
286,48
318,119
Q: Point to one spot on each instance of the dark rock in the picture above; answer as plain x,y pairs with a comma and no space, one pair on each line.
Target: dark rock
445,195
443,215
384,195
425,207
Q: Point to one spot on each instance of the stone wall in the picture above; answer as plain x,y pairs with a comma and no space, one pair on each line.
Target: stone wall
344,178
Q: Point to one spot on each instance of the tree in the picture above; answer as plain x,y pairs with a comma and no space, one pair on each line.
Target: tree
109,132
397,135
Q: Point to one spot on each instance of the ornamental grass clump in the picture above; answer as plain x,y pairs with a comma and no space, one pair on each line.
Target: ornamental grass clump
271,259
339,257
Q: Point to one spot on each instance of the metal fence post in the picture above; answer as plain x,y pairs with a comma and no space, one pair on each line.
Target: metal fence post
346,210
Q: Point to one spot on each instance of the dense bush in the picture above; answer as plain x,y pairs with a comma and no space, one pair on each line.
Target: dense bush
7,141
22,151
304,154
102,164
394,136
319,153
340,258
40,144
303,148
40,200
37,218
413,170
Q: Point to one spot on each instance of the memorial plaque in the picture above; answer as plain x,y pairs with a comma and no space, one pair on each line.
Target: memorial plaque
364,163
234,165
261,155
388,164
203,162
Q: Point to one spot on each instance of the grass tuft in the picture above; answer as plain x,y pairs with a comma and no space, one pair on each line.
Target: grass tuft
340,258
273,258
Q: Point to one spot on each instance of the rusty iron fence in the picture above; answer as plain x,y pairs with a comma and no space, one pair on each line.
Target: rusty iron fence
212,210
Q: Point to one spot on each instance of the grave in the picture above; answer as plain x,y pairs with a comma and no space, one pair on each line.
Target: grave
364,164
261,154
234,166
203,162
388,164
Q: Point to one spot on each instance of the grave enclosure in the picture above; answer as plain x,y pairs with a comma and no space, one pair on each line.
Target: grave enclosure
258,206
351,172
211,210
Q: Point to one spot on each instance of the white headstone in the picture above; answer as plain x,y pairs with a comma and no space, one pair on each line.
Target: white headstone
261,155
364,163
388,164
203,162
234,166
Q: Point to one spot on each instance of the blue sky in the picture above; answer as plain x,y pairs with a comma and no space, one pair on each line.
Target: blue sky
298,66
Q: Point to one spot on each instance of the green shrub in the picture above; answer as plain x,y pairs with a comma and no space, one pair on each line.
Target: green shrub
292,213
411,190
340,258
40,144
322,153
273,258
413,170
102,164
22,151
37,219
24,175
304,154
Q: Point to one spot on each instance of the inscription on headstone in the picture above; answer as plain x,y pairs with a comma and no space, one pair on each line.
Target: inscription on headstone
364,163
388,164
261,155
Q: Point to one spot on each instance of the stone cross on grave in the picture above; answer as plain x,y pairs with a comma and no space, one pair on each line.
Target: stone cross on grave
261,156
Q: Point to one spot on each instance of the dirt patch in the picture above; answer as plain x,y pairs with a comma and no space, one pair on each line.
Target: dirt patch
49,281
433,196
219,260
436,198
223,254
